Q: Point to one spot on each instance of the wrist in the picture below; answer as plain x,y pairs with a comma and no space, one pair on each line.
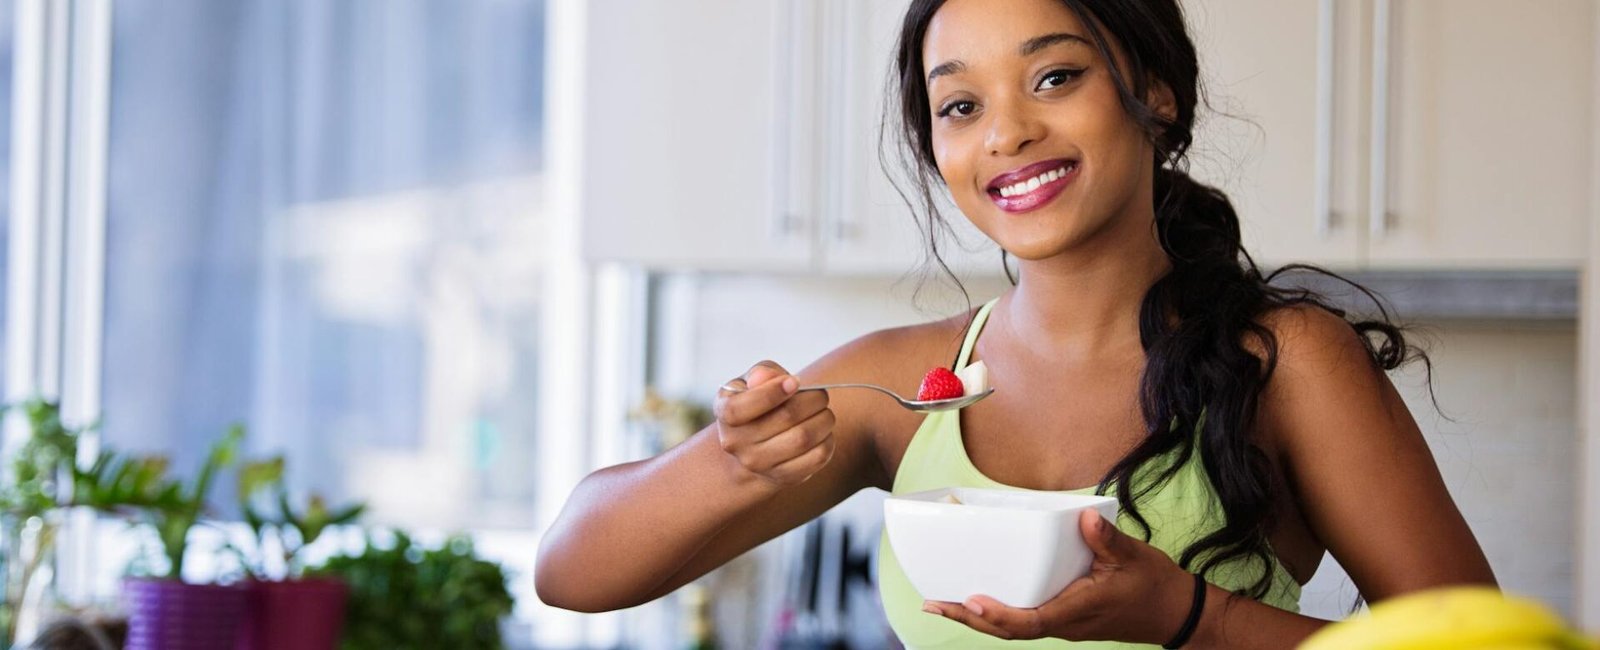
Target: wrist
1187,601
1208,632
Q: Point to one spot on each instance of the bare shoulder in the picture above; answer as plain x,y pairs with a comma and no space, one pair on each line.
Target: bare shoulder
881,357
1324,374
1314,342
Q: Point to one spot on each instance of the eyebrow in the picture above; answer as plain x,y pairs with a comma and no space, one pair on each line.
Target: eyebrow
1028,48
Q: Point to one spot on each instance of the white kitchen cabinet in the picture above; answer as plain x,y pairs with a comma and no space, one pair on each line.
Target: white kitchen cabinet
746,136
1491,105
1448,134
1277,137
769,156
696,150
867,227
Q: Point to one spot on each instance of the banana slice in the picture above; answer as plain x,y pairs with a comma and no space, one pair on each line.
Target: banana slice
974,378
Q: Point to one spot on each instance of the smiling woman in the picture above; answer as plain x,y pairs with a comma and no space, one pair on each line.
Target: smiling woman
1246,430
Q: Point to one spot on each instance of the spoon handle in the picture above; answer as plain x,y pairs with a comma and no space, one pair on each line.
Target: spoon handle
740,389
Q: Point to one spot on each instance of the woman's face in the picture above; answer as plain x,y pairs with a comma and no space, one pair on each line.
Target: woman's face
1028,130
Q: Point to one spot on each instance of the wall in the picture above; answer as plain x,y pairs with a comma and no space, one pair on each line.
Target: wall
1509,390
1588,461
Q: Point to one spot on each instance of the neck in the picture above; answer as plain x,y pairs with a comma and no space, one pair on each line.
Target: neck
1086,301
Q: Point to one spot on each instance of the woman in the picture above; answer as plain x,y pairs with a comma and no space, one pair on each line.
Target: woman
1245,429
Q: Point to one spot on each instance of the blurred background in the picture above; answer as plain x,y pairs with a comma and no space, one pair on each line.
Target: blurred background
446,257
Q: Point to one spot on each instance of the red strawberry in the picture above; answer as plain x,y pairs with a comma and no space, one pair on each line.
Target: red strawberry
940,383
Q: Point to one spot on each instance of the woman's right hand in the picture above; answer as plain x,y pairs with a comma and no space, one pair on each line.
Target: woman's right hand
775,433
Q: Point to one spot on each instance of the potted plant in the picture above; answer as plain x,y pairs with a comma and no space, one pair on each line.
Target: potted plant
41,483
35,488
403,595
287,608
163,610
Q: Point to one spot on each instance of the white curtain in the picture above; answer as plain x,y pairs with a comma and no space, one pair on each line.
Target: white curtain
6,36
322,222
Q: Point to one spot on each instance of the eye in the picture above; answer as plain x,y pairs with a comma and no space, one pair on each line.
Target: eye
1058,77
960,108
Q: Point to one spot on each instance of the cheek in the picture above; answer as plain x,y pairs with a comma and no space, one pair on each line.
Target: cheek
947,156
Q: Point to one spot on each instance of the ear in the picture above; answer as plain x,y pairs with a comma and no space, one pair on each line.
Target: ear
1160,99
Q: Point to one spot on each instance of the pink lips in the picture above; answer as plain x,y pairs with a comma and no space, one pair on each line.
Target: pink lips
1037,197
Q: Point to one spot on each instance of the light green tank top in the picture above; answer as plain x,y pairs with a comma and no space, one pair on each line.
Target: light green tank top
1180,511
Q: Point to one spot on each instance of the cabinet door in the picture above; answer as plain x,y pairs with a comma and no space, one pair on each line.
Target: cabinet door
1280,136
1491,106
867,228
695,129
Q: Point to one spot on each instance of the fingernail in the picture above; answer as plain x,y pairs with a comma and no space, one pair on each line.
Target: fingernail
790,385
974,607
929,608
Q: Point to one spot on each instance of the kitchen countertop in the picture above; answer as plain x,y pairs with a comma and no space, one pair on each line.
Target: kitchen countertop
1456,295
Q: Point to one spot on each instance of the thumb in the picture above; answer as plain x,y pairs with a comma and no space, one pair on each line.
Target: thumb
762,373
1107,542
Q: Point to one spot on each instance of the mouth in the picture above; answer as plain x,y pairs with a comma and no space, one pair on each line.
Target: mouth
1033,186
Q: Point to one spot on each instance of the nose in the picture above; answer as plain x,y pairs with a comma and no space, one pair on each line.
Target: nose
1011,129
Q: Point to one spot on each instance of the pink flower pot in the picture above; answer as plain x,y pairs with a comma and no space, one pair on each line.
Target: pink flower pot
295,615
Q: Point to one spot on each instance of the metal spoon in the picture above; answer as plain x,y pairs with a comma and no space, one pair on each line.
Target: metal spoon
922,406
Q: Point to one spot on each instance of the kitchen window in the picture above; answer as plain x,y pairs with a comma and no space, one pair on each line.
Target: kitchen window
321,219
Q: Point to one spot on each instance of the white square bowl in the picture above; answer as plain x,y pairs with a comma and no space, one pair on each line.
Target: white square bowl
1020,548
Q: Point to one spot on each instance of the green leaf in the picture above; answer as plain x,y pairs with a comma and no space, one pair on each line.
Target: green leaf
347,515
259,476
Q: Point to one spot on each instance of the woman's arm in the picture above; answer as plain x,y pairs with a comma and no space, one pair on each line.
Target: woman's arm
1358,466
634,532
1362,476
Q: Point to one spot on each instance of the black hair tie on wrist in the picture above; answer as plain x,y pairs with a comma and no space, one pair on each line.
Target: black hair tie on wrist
1189,624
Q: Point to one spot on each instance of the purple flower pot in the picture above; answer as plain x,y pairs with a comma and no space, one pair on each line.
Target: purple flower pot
295,615
172,615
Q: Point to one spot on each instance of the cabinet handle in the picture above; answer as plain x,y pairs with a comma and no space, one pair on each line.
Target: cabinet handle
794,28
1378,199
1322,204
853,55
843,56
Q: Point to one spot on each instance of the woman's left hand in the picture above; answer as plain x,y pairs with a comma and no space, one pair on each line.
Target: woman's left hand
1133,593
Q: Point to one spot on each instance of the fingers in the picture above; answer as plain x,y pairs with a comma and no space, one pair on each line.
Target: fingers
806,465
764,454
1019,623
798,409
768,386
772,429
961,614
805,436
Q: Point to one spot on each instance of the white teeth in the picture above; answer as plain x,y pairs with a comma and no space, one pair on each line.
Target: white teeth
1034,183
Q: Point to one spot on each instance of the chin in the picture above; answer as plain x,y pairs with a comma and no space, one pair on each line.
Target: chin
1033,251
